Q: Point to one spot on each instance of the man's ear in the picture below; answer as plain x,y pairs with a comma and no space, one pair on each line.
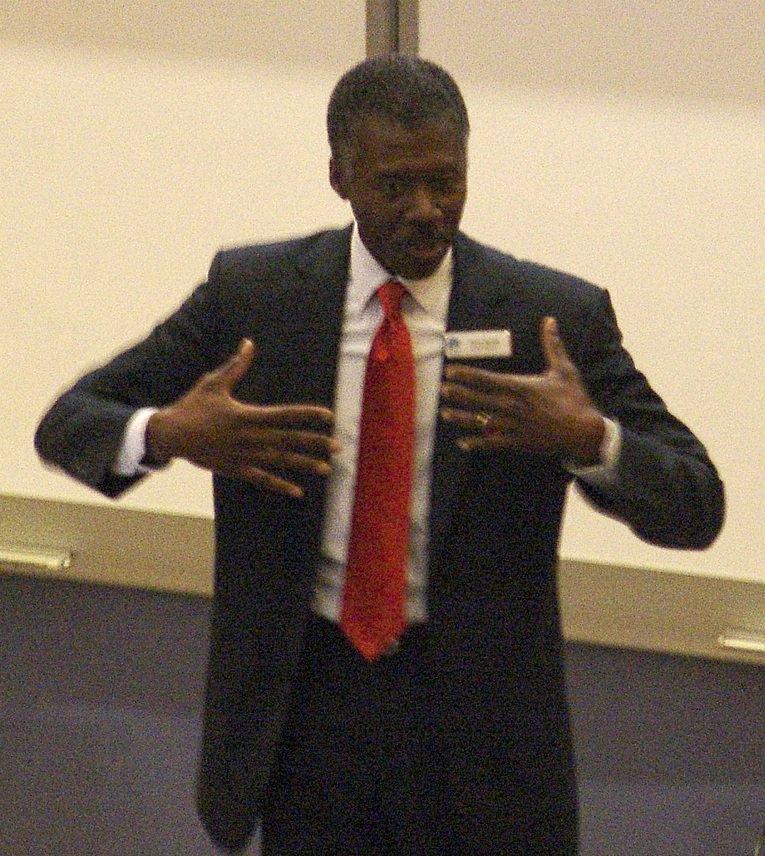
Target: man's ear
337,179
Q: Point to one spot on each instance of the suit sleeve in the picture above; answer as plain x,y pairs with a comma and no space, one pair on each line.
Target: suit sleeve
83,430
667,490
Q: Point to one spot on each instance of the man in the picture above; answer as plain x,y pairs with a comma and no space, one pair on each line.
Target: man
452,735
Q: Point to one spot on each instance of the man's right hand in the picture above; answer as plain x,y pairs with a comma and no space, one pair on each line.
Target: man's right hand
270,446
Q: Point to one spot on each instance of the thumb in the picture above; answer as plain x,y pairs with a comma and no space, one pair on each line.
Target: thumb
228,374
555,351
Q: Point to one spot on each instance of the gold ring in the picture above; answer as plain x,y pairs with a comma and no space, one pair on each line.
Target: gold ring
483,420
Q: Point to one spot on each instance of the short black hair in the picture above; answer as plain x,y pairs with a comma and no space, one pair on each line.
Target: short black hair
401,87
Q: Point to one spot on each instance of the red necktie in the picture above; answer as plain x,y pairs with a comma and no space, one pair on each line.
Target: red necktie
373,609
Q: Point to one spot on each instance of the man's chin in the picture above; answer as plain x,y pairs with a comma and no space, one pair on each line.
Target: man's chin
417,263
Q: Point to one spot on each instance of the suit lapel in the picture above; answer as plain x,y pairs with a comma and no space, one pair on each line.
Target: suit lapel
299,325
482,297
325,270
303,321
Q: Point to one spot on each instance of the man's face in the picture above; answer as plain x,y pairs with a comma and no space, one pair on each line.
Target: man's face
407,188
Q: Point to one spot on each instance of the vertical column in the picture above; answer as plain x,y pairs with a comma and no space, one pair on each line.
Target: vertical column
392,26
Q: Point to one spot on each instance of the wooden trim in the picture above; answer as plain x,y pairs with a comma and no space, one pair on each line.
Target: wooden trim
110,544
712,617
662,611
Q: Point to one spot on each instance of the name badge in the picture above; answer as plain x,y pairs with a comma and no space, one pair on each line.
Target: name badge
478,344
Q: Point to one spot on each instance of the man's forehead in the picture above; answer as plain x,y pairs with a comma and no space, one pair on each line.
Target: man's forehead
382,123
377,137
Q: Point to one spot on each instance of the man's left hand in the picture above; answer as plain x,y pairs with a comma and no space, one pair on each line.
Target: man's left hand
550,413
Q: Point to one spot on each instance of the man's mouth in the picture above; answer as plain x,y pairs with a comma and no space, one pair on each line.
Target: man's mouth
427,246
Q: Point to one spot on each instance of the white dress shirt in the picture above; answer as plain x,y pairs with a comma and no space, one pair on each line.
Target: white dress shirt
424,308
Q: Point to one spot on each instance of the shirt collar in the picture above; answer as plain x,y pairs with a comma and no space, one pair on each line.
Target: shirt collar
366,275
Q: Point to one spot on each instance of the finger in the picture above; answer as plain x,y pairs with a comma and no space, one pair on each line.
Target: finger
484,423
288,415
280,459
465,398
261,477
276,482
481,379
297,441
467,420
555,351
271,482
488,442
229,373
500,389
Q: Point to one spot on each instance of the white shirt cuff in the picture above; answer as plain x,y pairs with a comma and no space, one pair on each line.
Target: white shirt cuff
133,448
610,452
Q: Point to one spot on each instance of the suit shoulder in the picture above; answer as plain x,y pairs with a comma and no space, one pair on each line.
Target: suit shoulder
556,283
263,259
540,284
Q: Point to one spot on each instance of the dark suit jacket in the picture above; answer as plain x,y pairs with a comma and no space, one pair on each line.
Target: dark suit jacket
494,639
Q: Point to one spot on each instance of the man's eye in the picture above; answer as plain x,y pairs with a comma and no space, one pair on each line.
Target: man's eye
444,184
392,186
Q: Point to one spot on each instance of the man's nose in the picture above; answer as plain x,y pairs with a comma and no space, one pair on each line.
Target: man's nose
423,206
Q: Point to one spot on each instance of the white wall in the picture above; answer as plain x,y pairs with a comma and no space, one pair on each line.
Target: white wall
622,141
133,146
625,142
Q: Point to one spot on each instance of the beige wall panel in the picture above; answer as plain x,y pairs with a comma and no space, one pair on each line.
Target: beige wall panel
684,50
626,143
320,33
136,140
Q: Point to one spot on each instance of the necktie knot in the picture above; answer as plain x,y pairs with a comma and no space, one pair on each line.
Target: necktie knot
390,295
